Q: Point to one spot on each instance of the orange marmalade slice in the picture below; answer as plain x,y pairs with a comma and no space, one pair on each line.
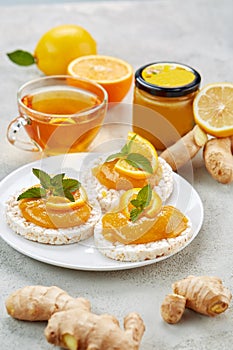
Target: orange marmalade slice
50,213
169,223
108,176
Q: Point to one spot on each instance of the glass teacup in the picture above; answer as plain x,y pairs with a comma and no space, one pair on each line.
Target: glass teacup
60,114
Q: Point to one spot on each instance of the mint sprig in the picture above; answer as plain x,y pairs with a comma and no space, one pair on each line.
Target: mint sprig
51,186
140,202
136,160
123,152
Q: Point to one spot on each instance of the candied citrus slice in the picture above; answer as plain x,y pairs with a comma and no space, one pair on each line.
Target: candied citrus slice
141,146
58,203
114,74
150,211
169,223
109,177
213,109
154,206
35,210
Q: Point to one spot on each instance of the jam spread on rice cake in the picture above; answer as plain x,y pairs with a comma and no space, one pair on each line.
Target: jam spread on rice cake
135,165
147,222
109,176
39,212
56,211
169,223
57,202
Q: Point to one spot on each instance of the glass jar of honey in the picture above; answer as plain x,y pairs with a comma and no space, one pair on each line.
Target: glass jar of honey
163,99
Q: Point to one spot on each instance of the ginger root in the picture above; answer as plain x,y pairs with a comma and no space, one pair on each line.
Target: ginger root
172,308
219,159
90,331
203,294
185,148
71,324
39,303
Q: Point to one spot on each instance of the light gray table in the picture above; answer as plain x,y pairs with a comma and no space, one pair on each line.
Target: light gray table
196,32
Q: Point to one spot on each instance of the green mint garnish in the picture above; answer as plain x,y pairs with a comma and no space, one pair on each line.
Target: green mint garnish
51,186
22,58
123,152
33,192
140,202
135,159
139,161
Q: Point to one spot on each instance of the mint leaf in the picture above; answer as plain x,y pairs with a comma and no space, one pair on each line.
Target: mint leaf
56,181
114,156
130,143
70,185
124,151
144,196
66,188
45,179
139,161
33,192
135,202
69,195
22,58
55,186
134,214
141,202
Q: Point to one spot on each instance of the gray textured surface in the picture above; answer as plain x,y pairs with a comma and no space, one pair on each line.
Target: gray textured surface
198,33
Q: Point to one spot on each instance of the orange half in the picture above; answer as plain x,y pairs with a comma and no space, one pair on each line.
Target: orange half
114,74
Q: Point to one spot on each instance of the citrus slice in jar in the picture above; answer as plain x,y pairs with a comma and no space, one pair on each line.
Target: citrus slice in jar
59,203
213,109
141,146
114,74
150,211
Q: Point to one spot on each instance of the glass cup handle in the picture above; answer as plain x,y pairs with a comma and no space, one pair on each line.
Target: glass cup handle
14,130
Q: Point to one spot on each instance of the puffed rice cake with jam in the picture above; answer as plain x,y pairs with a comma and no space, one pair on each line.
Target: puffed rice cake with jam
60,236
109,198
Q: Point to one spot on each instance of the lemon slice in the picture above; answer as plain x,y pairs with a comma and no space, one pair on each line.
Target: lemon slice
62,120
150,211
58,203
143,147
213,109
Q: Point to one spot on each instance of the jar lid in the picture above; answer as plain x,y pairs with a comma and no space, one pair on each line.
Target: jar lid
161,79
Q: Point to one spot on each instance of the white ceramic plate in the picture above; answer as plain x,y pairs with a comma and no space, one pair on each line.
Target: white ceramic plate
84,255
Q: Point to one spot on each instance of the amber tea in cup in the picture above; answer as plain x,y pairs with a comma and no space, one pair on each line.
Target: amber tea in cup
59,113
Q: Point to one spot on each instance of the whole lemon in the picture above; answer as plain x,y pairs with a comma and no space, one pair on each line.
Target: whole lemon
60,45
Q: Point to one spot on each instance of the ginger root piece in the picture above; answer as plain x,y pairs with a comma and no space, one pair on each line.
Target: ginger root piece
39,303
204,294
172,308
96,332
185,149
70,321
219,159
